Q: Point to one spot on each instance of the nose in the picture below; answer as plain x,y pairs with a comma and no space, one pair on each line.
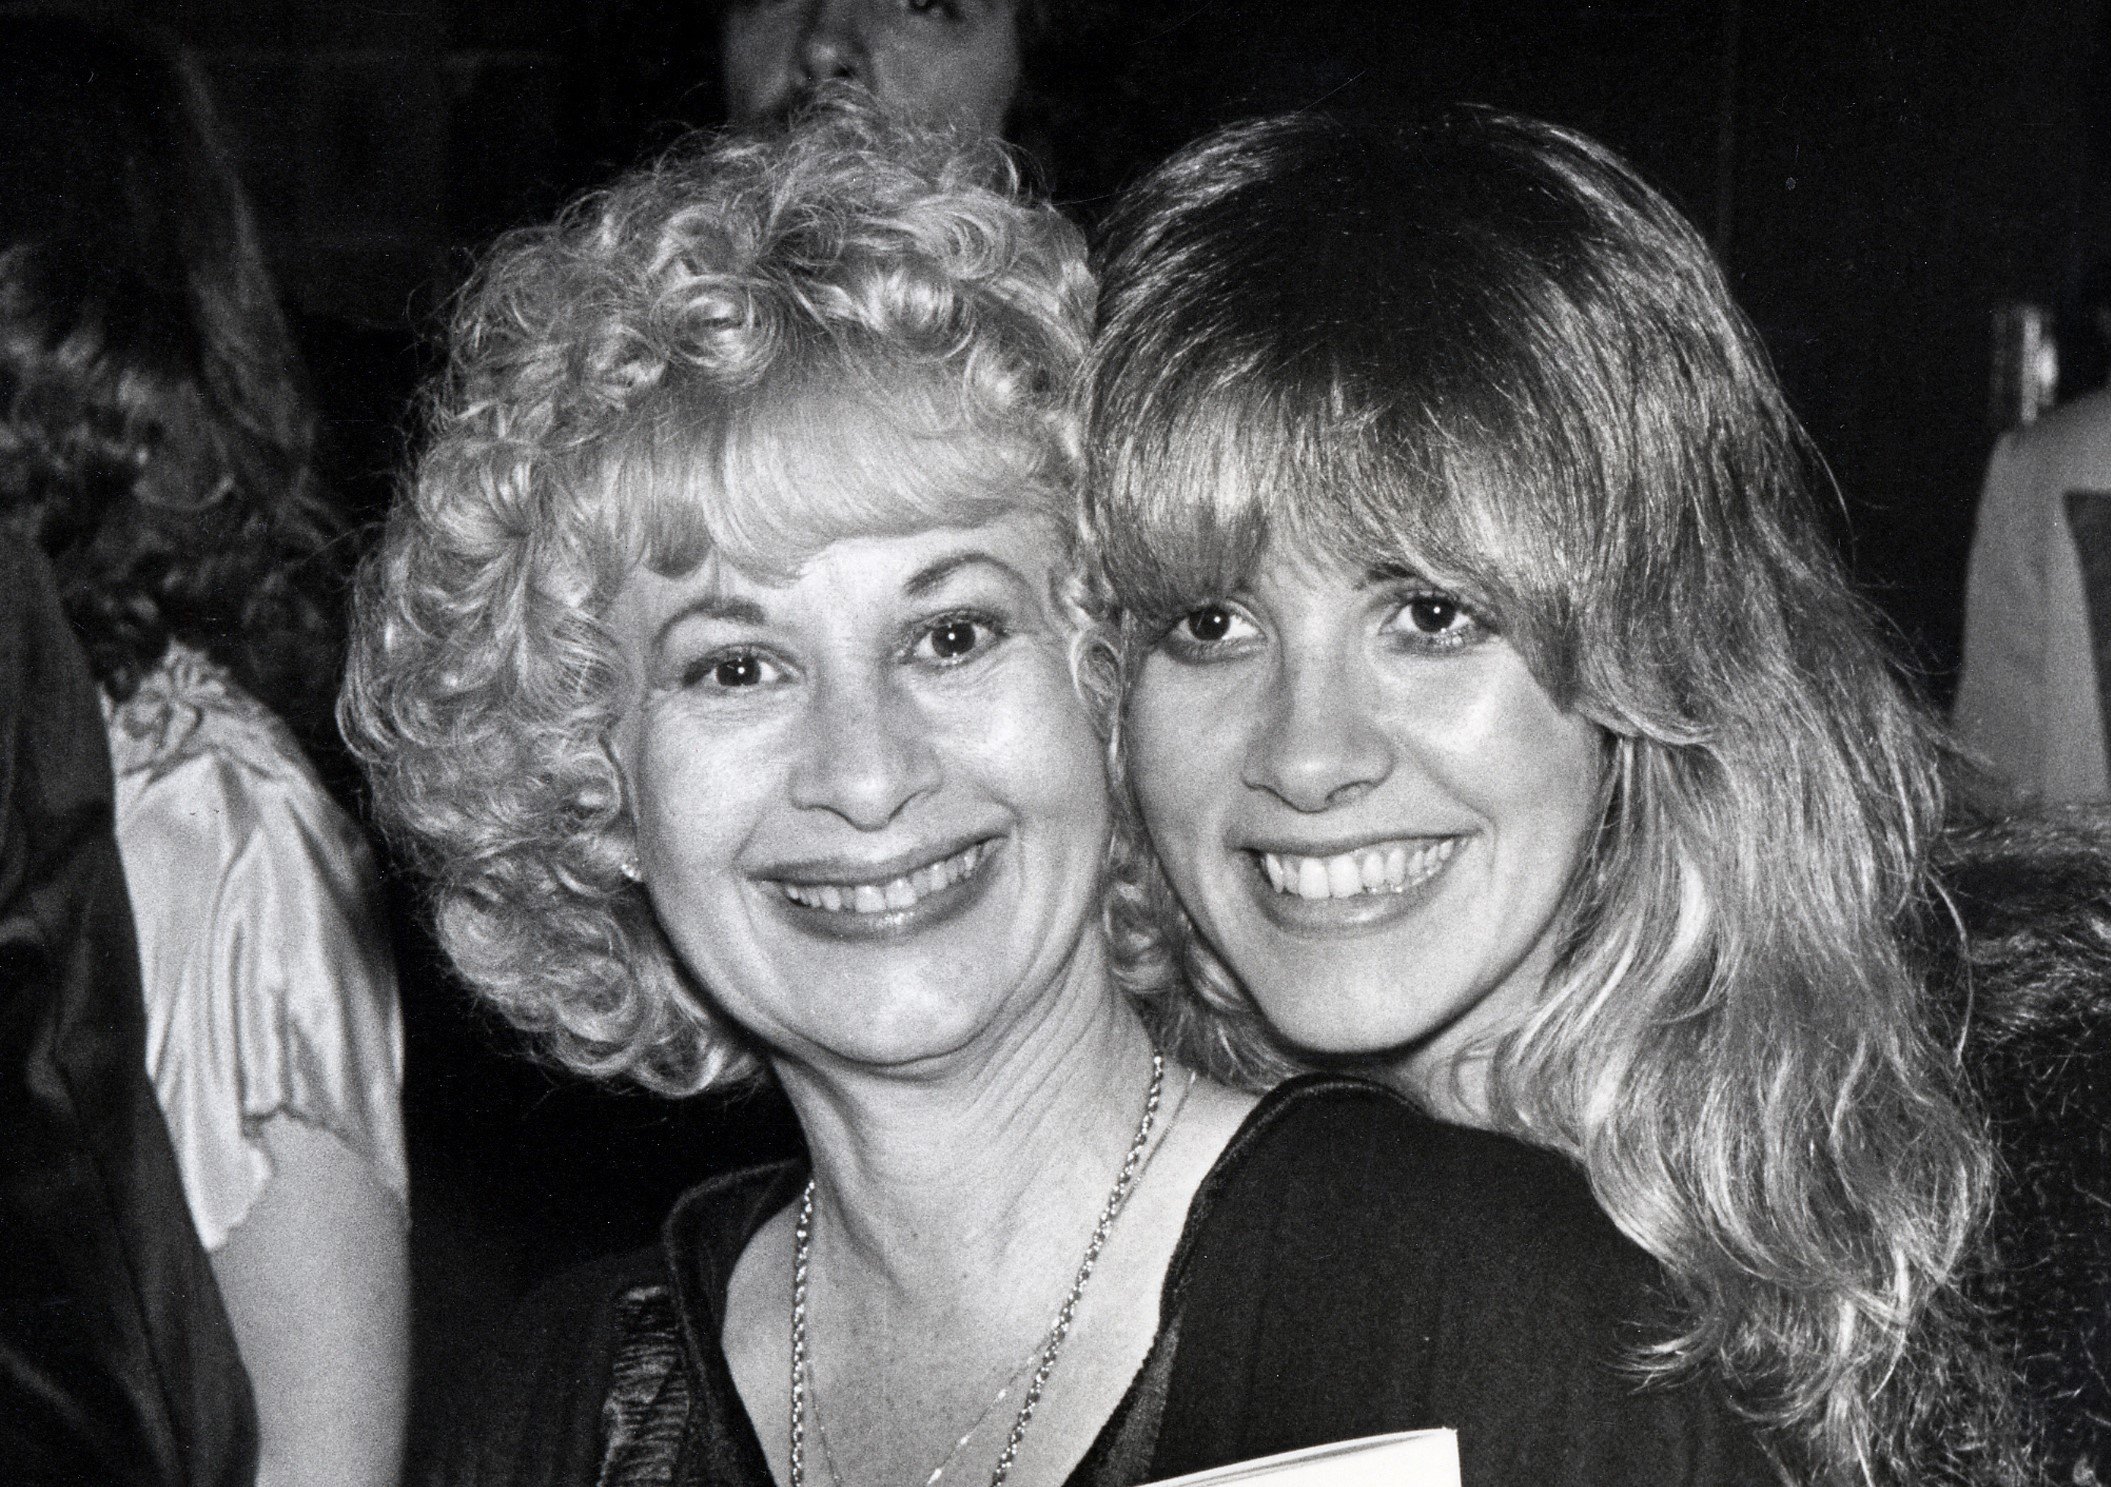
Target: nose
1317,746
866,753
832,43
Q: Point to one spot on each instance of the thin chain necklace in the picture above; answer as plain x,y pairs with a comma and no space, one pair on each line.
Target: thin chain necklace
828,1453
813,1398
1058,1334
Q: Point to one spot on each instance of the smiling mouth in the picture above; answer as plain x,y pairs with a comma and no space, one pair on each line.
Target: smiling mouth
1383,868
892,895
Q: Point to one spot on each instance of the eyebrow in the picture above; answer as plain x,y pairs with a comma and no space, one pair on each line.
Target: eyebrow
1384,573
712,607
747,612
936,572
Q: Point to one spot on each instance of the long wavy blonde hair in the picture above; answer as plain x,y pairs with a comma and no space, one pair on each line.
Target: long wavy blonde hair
1482,346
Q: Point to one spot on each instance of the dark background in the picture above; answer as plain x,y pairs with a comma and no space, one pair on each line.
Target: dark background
1879,177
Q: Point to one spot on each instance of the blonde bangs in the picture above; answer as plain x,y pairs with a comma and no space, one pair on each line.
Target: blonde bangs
1193,490
766,482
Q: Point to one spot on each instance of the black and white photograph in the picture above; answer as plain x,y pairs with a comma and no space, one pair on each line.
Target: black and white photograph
1055,743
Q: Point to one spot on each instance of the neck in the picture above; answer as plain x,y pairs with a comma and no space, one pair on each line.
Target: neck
979,1166
1449,1073
1453,1089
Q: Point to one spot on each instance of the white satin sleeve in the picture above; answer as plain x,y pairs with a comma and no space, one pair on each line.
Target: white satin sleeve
269,982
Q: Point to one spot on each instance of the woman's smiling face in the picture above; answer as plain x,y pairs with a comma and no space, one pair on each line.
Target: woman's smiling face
871,807
1366,801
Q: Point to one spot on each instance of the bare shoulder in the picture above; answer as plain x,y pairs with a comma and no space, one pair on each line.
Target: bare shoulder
1209,1116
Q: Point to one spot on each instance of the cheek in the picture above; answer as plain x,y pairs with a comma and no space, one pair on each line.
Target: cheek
1160,771
1184,777
1555,761
1048,756
1540,780
991,79
1491,734
754,58
974,80
696,797
1579,809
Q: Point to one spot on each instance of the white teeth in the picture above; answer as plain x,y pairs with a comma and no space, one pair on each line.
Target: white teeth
1311,877
896,893
1392,867
1343,877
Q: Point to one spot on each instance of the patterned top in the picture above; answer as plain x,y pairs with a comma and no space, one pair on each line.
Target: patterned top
269,983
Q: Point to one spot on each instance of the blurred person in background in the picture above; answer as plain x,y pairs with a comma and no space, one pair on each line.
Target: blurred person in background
957,62
1050,76
2037,618
117,1364
154,442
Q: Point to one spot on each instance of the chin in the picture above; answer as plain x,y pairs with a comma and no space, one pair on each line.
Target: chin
1380,1024
1324,1035
901,1047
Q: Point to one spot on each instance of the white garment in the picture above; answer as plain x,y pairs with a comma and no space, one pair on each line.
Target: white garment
269,983
2028,703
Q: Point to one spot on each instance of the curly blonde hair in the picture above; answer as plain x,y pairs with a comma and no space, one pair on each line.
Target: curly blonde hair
647,380
1481,346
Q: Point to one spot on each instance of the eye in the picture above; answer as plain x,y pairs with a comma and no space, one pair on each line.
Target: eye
1209,630
1433,619
1433,614
1213,624
947,9
953,638
727,671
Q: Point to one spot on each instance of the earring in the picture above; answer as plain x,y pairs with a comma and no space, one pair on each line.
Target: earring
629,868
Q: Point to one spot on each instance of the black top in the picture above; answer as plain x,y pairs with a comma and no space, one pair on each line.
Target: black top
1349,1266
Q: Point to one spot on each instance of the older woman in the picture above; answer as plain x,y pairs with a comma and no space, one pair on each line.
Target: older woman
1503,723
718,664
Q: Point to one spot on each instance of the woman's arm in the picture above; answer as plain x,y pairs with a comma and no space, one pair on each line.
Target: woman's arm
316,1282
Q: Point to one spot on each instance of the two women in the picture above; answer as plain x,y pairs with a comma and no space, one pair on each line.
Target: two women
719,667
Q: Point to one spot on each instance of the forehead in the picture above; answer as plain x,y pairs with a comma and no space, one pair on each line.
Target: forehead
854,576
1017,547
1289,564
973,22
774,483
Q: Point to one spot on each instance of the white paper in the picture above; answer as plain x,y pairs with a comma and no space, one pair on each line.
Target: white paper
1412,1458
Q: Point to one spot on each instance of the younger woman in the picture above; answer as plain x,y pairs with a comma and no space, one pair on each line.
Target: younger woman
1503,722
